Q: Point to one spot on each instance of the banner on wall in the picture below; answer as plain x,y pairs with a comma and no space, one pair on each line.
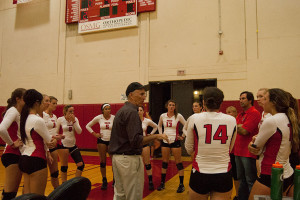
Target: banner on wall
20,1
98,15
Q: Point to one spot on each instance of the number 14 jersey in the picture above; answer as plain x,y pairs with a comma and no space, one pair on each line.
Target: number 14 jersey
209,135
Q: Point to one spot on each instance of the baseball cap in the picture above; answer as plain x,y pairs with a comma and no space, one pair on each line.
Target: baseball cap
136,86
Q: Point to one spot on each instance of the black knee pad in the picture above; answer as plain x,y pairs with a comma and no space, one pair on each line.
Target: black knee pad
179,166
64,169
164,165
103,165
148,167
54,174
81,167
76,156
8,195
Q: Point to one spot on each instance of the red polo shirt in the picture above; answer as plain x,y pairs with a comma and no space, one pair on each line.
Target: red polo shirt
250,120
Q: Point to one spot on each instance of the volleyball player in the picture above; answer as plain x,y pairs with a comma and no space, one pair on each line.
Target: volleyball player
146,148
170,121
211,136
231,110
260,99
69,124
277,135
51,121
10,134
197,108
105,120
34,135
44,105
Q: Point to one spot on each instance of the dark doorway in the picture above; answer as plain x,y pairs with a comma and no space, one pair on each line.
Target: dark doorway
183,92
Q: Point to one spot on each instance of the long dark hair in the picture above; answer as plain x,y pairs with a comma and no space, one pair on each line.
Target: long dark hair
30,98
175,110
282,105
12,101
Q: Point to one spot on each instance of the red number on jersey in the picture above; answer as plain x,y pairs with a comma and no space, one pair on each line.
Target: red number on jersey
107,126
70,128
208,133
169,124
220,134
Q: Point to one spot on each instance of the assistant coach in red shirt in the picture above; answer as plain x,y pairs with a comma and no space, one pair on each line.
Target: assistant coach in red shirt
247,123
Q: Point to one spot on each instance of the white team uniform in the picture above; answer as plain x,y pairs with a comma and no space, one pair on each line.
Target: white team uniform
274,135
37,134
263,117
69,129
148,122
10,130
51,123
170,126
209,134
105,126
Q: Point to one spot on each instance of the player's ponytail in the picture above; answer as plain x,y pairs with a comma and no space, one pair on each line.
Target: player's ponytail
30,98
295,129
282,103
12,101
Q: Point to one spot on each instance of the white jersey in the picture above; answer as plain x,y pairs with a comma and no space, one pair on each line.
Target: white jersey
185,127
171,126
263,117
105,126
37,134
275,137
51,123
12,115
69,129
209,134
148,122
10,130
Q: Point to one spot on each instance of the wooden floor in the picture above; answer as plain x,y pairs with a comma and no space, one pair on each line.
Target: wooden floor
92,171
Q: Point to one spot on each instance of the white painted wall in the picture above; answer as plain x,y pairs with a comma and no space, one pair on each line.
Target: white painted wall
38,50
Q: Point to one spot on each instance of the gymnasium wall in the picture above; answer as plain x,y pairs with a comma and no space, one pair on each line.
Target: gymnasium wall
260,40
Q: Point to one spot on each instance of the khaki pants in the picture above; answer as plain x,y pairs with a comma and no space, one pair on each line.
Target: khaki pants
129,177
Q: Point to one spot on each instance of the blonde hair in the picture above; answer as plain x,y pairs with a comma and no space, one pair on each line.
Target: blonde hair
232,109
263,89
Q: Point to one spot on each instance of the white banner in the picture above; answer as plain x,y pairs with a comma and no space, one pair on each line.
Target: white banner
107,24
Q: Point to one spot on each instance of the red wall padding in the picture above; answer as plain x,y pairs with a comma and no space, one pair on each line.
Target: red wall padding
86,112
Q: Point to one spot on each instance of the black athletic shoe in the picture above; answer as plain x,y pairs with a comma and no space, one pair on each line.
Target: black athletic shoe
151,186
104,185
180,188
161,186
